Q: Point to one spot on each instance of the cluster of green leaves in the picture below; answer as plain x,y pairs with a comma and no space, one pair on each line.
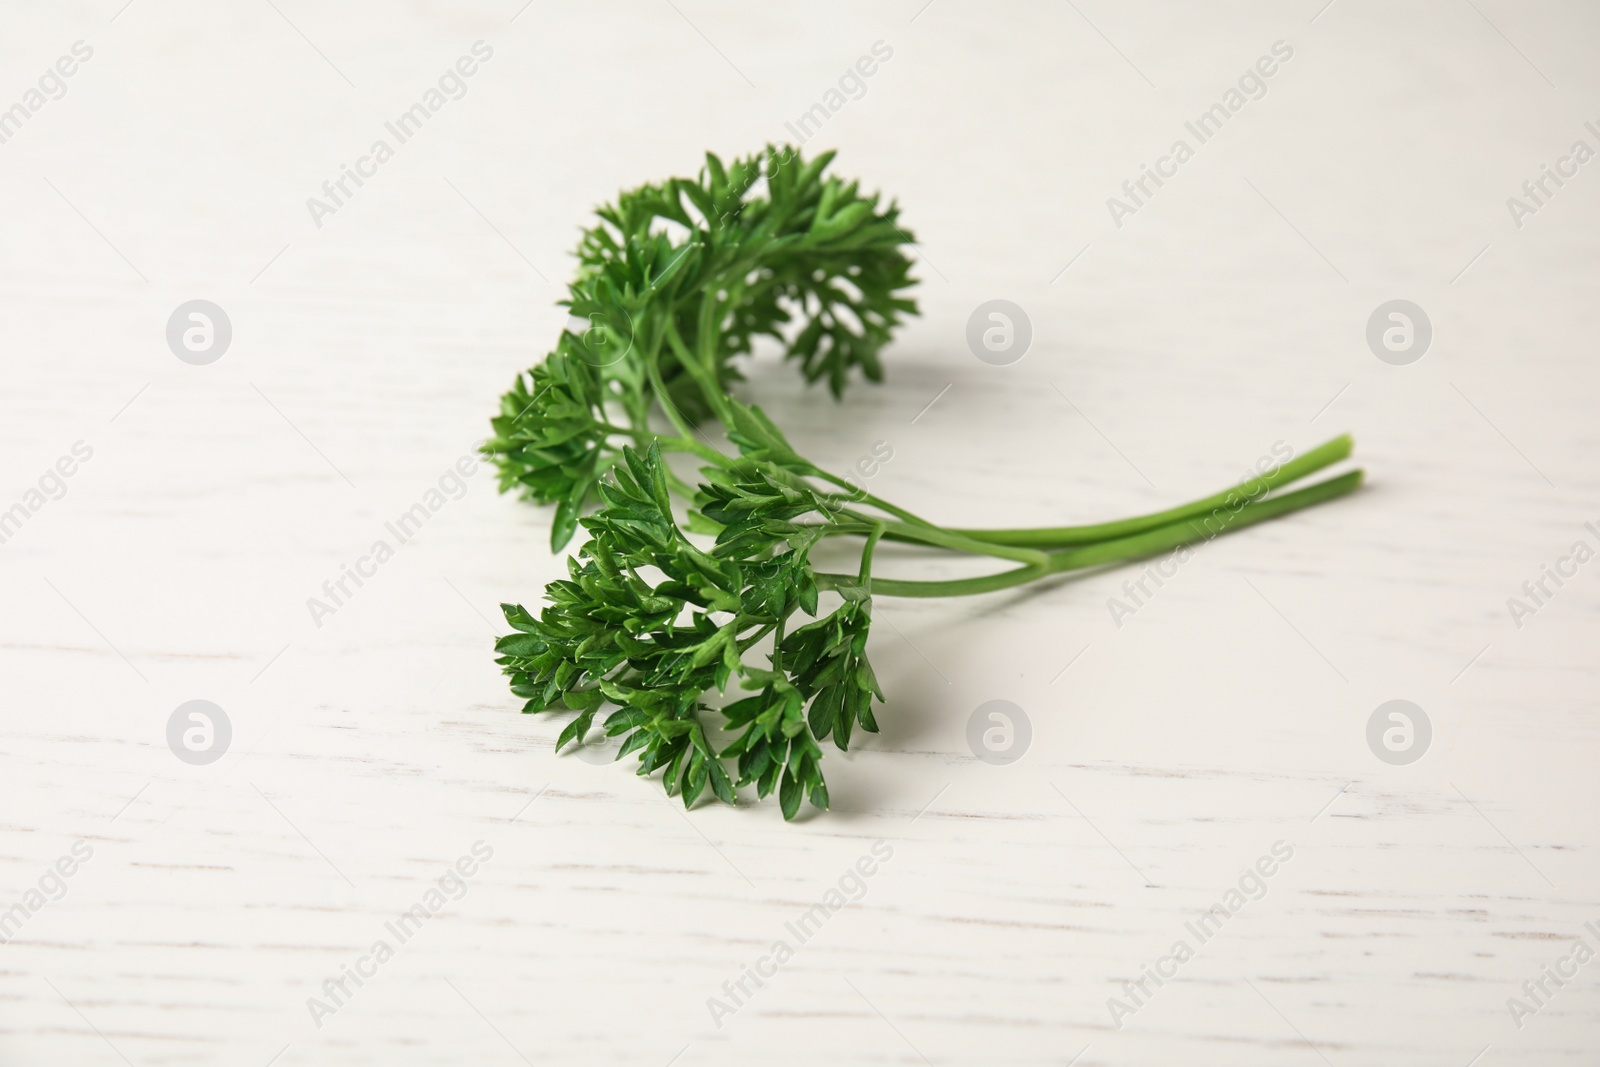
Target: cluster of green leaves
651,623
676,282
551,435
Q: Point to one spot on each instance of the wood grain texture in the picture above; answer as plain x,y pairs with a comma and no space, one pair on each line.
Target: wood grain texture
1169,753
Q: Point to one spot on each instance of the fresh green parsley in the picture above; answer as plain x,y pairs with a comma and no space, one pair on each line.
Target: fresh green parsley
687,593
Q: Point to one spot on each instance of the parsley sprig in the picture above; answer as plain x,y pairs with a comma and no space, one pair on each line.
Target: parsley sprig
687,593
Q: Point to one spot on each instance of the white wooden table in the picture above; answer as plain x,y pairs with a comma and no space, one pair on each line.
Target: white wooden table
208,904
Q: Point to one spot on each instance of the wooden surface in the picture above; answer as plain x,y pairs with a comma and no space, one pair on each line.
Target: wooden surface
371,752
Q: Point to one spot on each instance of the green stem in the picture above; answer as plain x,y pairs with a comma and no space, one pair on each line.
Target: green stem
941,538
1115,550
747,643
685,441
705,377
777,640
858,495
865,574
652,369
1253,488
698,448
